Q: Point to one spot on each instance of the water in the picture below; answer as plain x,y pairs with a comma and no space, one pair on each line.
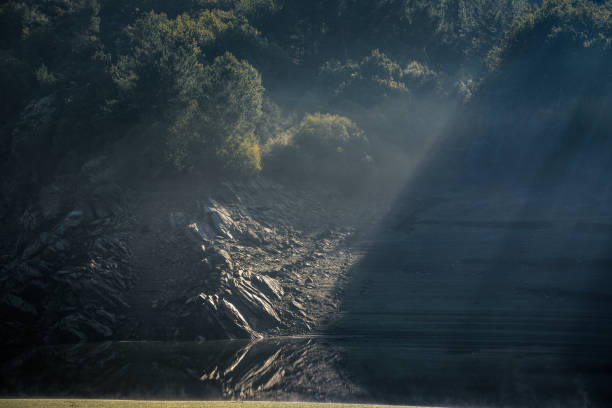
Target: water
350,369
504,301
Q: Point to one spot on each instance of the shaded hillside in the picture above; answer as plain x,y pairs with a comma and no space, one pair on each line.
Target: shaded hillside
541,115
501,241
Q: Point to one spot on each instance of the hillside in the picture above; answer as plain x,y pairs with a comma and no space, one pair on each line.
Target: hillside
215,169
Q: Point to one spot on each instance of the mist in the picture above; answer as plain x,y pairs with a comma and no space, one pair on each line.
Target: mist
345,201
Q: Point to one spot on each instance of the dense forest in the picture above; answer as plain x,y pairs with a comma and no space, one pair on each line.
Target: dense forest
237,87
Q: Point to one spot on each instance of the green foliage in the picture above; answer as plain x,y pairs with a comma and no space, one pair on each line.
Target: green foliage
254,10
273,121
241,155
45,78
18,21
376,78
213,105
162,60
330,149
552,55
58,46
192,69
216,128
556,25
233,92
545,101
436,31
329,136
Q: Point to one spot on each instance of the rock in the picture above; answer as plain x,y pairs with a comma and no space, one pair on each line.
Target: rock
109,317
30,272
98,169
30,219
259,306
72,220
15,304
34,290
36,247
177,219
253,237
297,305
55,250
220,258
229,318
29,136
76,328
65,334
51,202
106,201
198,233
231,312
61,246
222,222
269,286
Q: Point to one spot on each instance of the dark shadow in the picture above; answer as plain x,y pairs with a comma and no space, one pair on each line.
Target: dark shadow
490,283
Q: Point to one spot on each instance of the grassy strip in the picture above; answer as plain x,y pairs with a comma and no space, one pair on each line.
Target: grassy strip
85,403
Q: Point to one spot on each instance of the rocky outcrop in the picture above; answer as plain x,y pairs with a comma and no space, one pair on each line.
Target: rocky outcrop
233,260
28,137
67,276
272,278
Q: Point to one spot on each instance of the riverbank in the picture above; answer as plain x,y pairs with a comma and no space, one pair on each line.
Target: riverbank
91,403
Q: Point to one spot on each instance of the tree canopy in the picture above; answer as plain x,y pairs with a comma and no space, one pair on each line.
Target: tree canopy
214,85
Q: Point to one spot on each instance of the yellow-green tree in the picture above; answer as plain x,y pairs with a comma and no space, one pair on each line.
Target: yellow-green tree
326,148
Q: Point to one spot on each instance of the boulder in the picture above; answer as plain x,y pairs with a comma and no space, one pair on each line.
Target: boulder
30,134
76,328
228,317
37,246
219,258
270,286
254,302
199,233
106,201
72,220
221,221
253,237
13,304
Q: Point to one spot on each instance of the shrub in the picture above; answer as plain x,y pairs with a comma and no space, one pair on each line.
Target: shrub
45,78
329,149
376,78
241,155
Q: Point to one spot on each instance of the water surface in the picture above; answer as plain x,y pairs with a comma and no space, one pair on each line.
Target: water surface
350,369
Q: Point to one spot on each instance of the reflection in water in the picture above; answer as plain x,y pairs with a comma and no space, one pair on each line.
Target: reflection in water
321,369
286,369
295,369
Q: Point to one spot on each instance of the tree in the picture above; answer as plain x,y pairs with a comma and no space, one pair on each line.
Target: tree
217,126
329,149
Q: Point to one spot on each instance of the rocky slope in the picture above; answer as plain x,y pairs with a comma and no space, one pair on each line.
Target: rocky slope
185,259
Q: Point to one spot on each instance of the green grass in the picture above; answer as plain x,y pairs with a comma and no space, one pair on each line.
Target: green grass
84,403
